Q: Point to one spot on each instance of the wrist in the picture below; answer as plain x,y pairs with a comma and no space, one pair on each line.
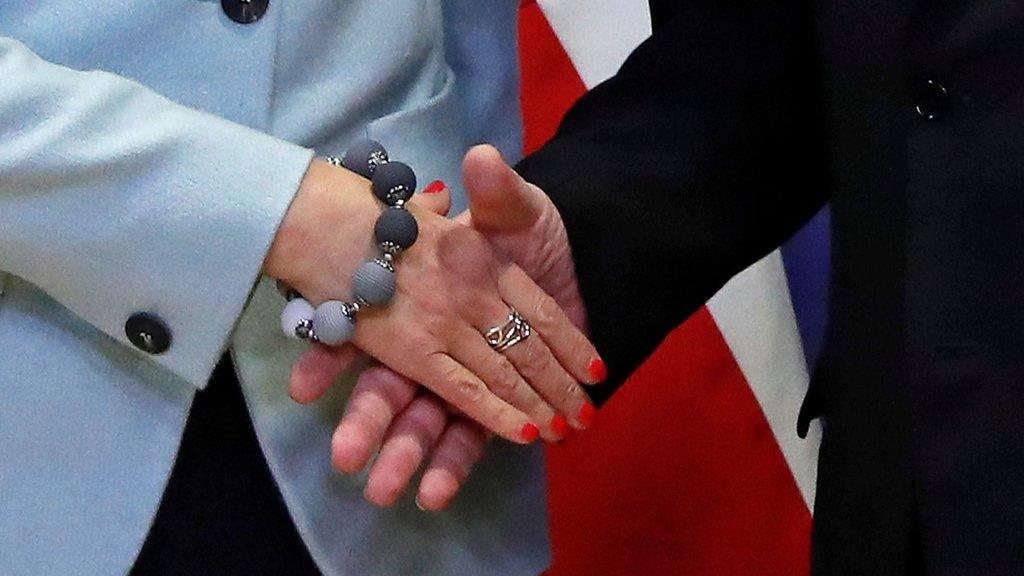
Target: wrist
326,233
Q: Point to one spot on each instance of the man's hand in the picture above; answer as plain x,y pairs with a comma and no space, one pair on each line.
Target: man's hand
401,422
518,219
522,223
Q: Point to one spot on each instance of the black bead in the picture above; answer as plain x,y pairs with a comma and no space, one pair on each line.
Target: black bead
396,227
394,181
148,333
364,156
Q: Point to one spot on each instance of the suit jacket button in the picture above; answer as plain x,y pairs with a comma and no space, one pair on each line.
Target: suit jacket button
931,100
245,11
148,333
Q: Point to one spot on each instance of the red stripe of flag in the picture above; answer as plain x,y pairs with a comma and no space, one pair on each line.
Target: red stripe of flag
682,474
550,82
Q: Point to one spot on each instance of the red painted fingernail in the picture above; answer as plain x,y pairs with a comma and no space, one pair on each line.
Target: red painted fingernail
559,425
529,433
435,187
587,414
598,370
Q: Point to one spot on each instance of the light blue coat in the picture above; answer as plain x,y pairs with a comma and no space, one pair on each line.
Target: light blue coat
148,151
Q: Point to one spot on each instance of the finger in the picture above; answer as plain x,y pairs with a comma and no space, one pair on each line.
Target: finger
378,397
572,349
436,198
500,199
407,445
317,369
457,452
504,379
534,360
461,388
473,273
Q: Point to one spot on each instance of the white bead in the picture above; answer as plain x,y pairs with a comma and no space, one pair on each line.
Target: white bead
293,314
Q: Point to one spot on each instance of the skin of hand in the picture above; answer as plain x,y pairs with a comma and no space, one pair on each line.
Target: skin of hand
451,288
521,222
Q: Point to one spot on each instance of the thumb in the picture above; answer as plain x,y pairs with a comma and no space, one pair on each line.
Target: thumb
499,199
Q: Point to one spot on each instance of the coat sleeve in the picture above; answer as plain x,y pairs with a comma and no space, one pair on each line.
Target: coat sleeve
702,155
114,201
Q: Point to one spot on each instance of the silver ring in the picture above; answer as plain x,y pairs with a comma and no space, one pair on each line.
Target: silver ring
512,332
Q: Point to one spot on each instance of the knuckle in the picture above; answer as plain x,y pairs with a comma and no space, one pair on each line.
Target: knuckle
506,380
423,341
454,462
450,374
545,312
579,349
469,443
471,391
572,392
460,456
411,450
426,421
437,324
421,423
535,359
462,387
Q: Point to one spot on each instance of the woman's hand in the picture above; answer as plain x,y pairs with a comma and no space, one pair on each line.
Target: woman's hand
452,287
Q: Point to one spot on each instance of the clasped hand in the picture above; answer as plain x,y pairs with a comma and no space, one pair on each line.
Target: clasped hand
459,280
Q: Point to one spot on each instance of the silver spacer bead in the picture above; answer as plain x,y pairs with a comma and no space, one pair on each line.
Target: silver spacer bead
395,196
352,309
376,159
305,330
385,262
333,160
390,249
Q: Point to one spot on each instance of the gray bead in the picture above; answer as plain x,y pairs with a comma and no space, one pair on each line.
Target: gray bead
374,284
331,324
398,227
364,157
394,181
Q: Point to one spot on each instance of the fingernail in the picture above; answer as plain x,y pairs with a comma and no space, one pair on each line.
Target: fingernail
420,504
598,370
587,414
529,433
435,187
560,426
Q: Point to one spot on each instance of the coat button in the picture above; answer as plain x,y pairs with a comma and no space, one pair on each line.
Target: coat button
245,11
148,333
931,100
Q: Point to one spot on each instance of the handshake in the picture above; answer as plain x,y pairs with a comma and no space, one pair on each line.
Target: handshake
443,382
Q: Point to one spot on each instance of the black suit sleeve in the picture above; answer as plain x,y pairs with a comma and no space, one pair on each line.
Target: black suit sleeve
702,155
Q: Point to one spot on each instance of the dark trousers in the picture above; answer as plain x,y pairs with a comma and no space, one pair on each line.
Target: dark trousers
222,512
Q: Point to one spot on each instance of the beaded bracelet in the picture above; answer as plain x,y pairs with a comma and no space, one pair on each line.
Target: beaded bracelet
393,183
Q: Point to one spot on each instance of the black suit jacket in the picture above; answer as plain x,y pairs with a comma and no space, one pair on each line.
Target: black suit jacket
735,123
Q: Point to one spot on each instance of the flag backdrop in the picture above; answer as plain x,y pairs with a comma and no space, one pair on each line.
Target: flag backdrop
694,467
